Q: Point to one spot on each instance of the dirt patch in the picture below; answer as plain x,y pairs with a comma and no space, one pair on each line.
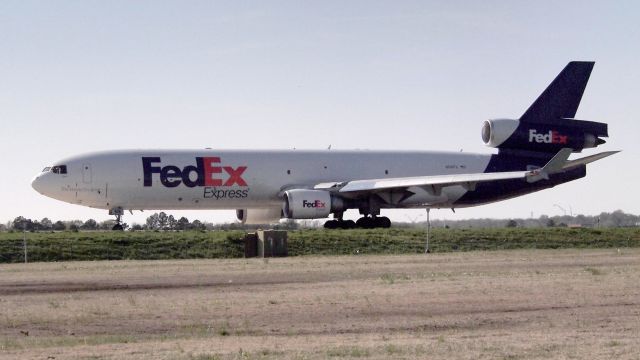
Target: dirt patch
511,304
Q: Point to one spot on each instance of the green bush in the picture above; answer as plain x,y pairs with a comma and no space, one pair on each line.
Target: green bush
150,245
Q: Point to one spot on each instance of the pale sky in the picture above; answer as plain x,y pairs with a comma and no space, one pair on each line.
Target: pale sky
80,76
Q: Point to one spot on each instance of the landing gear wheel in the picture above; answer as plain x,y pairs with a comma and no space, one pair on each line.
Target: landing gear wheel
331,224
383,222
339,224
118,212
365,222
347,224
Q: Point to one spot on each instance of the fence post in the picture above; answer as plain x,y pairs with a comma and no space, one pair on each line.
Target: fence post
426,249
24,242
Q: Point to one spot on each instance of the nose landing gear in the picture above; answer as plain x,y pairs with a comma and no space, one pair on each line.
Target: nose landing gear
118,212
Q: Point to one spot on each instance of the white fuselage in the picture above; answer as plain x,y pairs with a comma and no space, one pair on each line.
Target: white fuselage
233,179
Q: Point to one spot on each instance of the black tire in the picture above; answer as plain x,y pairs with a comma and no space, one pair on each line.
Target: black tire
331,224
351,224
383,222
347,224
117,227
365,222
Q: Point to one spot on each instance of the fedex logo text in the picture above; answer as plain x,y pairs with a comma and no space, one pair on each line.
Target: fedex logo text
313,204
552,137
207,173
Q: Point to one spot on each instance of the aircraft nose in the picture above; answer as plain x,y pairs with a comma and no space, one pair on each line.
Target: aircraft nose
36,184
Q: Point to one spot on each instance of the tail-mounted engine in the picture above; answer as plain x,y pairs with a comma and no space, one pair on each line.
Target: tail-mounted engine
542,137
548,125
310,204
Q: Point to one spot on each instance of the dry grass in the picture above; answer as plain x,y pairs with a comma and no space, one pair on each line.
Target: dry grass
508,305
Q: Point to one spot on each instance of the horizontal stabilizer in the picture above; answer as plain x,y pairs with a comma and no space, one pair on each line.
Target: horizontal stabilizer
588,159
554,166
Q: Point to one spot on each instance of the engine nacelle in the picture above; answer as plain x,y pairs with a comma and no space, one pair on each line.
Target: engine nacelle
541,137
310,204
259,216
495,132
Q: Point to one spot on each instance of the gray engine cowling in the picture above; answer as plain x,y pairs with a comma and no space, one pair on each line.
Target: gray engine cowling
310,204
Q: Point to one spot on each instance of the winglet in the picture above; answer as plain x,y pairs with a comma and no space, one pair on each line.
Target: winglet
554,166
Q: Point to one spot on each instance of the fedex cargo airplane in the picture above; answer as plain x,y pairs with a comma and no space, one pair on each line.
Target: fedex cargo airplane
265,186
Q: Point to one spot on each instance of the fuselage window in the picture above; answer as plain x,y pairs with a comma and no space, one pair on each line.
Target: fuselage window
59,169
46,169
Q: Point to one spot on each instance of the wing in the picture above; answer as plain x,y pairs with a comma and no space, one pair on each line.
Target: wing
435,184
438,181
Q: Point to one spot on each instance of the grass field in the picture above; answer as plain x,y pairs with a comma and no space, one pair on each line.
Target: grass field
69,246
515,304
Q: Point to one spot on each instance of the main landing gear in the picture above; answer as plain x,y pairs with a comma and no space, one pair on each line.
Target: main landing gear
365,222
340,224
118,212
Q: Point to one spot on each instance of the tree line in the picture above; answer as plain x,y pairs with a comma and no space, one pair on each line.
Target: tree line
156,222
617,218
166,222
21,223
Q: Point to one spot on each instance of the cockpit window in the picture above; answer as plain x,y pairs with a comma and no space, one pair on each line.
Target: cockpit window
46,169
59,169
